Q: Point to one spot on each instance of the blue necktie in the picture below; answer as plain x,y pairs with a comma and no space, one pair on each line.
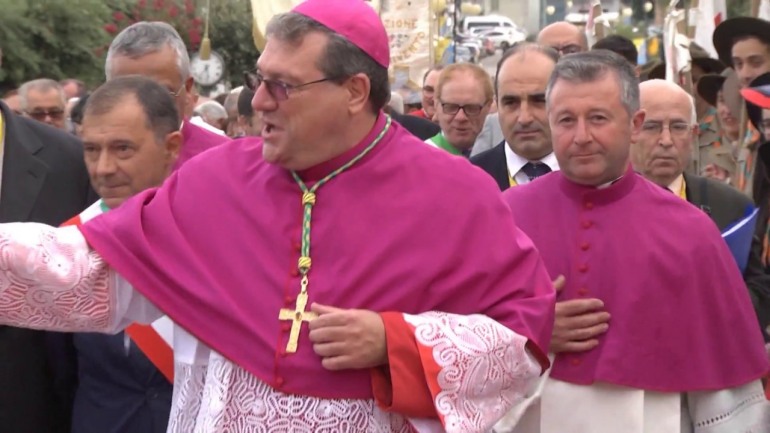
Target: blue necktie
533,171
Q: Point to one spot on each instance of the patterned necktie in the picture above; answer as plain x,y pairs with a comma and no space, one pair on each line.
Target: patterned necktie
533,171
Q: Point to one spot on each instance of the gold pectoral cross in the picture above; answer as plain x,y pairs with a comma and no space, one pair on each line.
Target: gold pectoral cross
297,316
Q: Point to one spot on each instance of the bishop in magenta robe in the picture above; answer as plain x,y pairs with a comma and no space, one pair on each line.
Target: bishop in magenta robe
463,309
468,311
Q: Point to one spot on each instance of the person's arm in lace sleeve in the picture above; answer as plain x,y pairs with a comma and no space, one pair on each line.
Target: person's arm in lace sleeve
51,279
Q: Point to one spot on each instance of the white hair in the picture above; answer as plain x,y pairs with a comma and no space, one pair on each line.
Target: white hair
396,102
145,37
40,85
211,111
674,88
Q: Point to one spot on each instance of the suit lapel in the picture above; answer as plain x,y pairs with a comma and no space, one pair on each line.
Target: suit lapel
500,167
692,191
23,173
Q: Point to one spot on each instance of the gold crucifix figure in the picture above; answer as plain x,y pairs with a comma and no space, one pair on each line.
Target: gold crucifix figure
297,316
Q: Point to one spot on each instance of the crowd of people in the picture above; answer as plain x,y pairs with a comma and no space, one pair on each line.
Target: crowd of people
537,251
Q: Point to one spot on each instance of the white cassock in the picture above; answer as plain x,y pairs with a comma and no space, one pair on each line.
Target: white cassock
556,406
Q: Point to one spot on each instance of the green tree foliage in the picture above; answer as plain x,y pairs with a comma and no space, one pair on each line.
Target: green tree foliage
230,33
737,8
69,38
51,38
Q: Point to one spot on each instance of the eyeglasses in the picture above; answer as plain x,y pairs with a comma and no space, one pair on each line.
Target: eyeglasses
277,89
469,109
178,92
41,115
567,49
677,129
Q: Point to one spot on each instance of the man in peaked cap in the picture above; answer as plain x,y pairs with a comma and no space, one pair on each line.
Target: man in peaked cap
405,332
743,43
757,97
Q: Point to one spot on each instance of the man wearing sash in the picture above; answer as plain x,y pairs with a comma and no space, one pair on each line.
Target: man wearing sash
526,153
309,285
131,140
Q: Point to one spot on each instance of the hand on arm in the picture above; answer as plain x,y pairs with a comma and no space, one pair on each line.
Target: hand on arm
348,339
577,323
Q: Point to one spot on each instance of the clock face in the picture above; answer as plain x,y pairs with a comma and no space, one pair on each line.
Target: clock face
207,72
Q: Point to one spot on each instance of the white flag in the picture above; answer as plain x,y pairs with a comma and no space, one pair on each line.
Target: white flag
705,19
676,45
590,29
764,10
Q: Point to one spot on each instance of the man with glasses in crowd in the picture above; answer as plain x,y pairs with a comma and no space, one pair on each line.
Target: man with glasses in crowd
662,153
464,95
564,37
429,81
43,100
155,50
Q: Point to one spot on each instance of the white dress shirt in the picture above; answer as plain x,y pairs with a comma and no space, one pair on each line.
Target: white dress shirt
516,162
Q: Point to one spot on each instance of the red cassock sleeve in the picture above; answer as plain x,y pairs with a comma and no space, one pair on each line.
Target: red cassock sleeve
407,384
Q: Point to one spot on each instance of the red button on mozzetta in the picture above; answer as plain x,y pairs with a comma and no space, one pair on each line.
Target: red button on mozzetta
587,224
583,267
279,381
588,205
585,246
294,272
582,291
575,361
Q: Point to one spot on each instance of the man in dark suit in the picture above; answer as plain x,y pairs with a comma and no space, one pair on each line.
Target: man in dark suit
44,180
417,126
662,152
520,84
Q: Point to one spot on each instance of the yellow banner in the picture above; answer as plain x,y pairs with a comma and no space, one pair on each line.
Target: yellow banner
263,11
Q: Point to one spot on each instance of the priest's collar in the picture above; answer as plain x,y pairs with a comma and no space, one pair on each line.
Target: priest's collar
603,194
609,184
319,171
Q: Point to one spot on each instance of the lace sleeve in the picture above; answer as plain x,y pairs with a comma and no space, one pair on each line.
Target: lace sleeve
50,279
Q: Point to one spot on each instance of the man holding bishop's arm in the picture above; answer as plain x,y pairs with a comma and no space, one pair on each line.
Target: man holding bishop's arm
410,328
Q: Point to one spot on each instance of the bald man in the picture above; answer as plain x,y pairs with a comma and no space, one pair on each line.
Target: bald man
663,151
564,37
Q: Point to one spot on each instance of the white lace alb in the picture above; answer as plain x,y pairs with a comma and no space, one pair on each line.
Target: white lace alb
50,279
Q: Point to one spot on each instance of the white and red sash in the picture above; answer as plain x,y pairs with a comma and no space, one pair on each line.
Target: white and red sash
154,340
